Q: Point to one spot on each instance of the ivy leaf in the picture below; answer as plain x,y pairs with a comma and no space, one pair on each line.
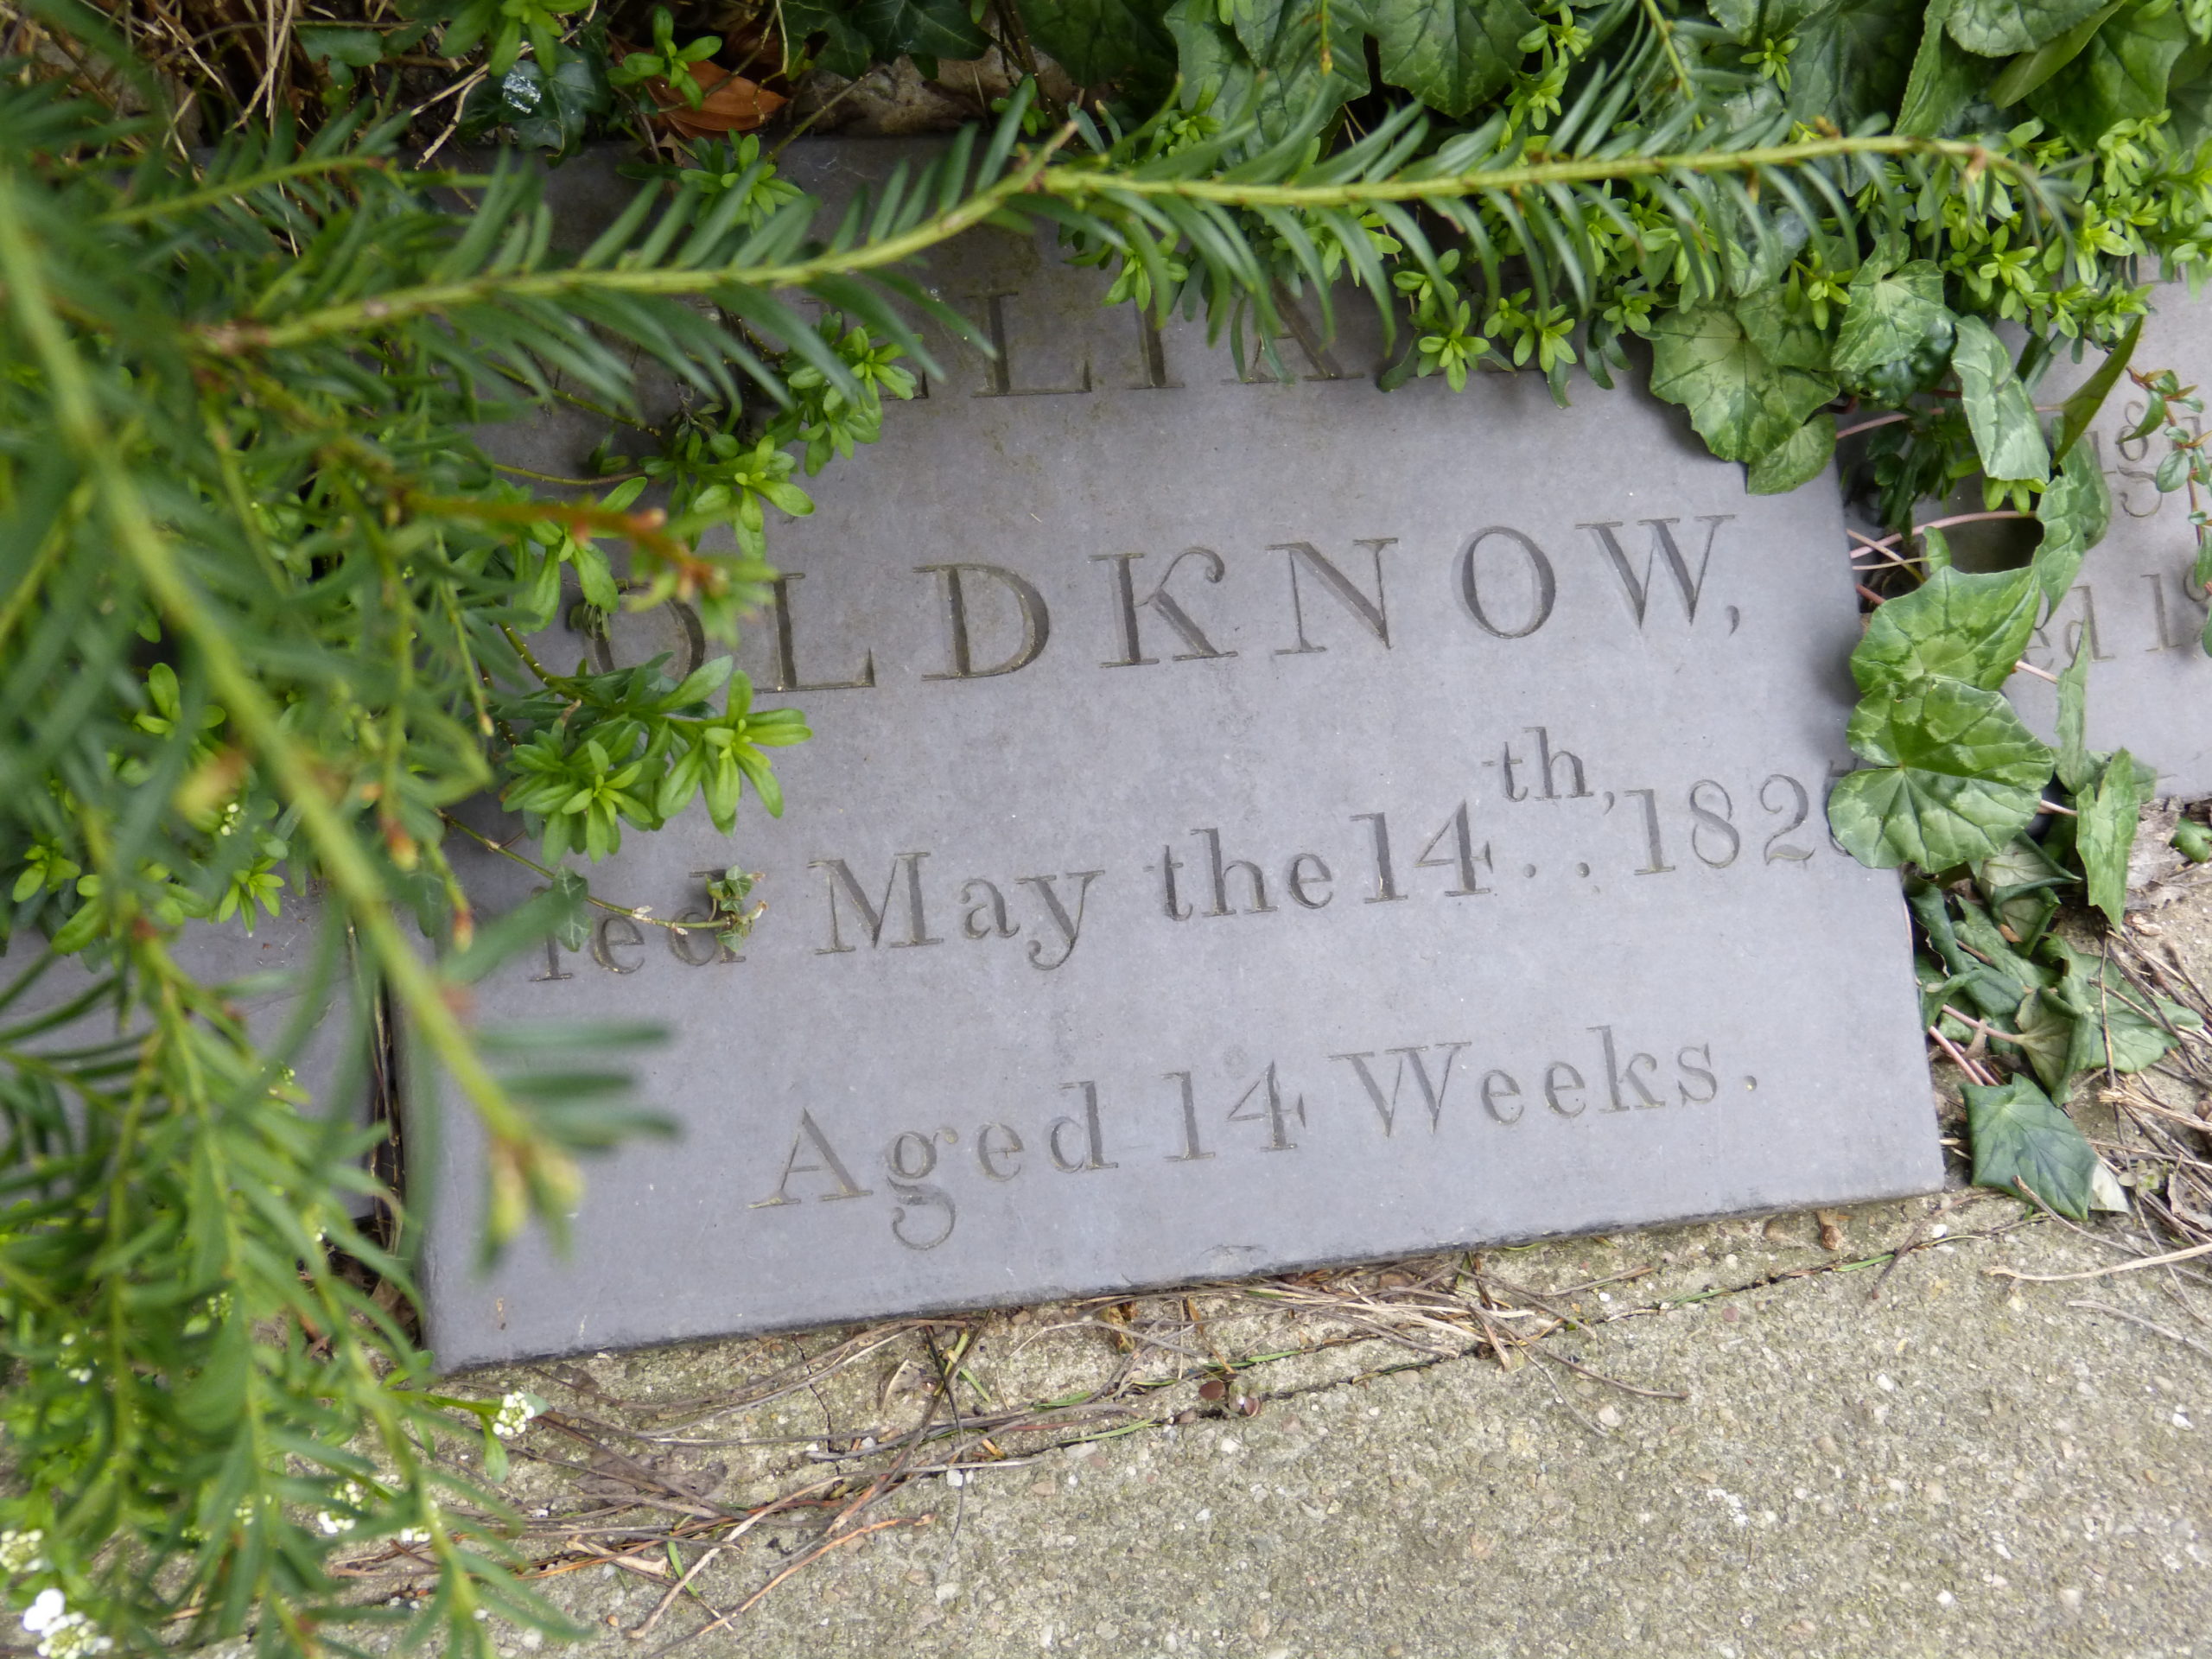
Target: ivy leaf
2121,76
2076,768
1101,41
2188,94
1214,69
1967,627
845,50
2118,1022
1945,76
2021,1140
2031,69
2075,512
2081,407
1899,316
1852,59
1451,53
1955,777
2106,834
2051,1036
1284,40
1784,334
1743,405
1798,462
1999,411
1750,21
921,28
1997,28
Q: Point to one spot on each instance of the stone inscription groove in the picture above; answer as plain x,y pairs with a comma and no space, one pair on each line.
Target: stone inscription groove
1251,824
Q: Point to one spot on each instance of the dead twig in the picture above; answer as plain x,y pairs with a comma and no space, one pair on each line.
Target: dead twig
2167,1331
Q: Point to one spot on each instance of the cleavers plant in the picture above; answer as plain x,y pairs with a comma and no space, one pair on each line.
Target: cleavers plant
265,604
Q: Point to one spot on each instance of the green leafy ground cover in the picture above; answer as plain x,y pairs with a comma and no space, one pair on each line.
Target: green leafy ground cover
263,598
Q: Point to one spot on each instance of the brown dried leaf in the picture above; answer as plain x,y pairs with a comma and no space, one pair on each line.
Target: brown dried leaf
733,103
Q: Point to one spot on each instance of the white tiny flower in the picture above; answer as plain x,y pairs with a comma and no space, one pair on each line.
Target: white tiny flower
40,1615
515,1412
333,1524
19,1550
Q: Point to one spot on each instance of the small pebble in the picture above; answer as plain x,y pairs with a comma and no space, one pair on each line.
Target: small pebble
1212,1389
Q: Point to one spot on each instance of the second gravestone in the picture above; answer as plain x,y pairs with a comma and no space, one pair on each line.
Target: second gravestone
1251,826
2135,602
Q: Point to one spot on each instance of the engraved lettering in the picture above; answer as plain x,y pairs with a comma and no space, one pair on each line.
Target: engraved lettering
1193,1151
1617,1074
1298,329
1220,873
1657,864
1431,1089
923,1196
1070,926
1162,603
1036,620
912,1156
1721,823
1547,762
1637,591
1002,356
1704,1051
837,875
1500,1085
552,959
1386,880
1542,584
1558,1075
605,940
2071,639
1269,1108
995,1143
1093,1153
787,676
1299,878
993,906
1373,614
680,940
1152,352
1463,857
810,1137
1177,911
1778,851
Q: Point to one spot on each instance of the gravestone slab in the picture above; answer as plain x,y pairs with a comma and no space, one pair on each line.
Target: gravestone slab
2151,684
270,970
1251,825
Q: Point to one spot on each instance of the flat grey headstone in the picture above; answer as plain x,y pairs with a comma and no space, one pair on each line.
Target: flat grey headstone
2151,683
268,973
1250,826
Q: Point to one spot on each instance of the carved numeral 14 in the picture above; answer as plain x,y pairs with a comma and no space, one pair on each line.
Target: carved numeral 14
1263,1102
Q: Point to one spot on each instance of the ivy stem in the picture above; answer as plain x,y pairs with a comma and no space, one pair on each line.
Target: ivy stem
1973,1069
1868,426
506,851
1897,536
2024,667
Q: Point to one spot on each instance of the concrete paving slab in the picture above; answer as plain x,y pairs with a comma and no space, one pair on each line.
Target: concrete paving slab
1961,1464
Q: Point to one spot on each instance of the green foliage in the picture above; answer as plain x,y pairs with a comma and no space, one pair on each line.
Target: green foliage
265,603
2024,1143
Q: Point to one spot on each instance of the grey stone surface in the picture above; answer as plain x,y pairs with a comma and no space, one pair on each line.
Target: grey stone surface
1936,1462
1086,963
272,969
2151,689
